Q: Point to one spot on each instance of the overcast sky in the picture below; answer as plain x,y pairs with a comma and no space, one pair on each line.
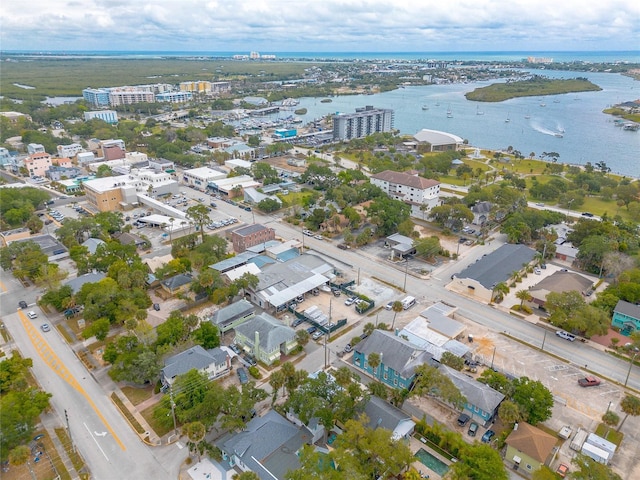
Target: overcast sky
320,25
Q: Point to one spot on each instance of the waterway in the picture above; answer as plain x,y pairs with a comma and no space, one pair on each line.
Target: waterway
588,135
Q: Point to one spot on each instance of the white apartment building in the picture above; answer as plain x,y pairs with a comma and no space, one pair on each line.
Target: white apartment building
69,151
200,177
109,116
409,188
35,148
130,95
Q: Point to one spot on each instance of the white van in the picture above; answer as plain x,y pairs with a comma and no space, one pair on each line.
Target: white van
408,302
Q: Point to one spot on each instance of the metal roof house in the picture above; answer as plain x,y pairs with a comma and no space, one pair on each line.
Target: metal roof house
213,363
398,358
482,400
266,338
268,446
231,316
480,278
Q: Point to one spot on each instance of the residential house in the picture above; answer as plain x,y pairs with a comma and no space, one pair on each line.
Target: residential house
626,317
92,244
400,245
398,358
177,284
482,400
529,448
481,212
268,446
479,279
559,282
213,363
232,315
382,414
422,194
77,283
265,338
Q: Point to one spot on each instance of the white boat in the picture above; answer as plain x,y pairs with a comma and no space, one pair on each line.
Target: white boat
425,107
507,120
558,134
478,111
449,112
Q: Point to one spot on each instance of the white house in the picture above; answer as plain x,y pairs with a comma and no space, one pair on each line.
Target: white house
420,193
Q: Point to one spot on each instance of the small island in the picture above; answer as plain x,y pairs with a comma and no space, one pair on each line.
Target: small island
532,87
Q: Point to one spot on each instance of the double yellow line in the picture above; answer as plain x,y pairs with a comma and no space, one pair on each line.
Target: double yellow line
51,359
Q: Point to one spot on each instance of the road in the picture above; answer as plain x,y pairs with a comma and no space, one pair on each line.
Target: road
98,430
433,289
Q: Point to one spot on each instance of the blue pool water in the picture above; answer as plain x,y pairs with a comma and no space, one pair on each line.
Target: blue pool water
432,462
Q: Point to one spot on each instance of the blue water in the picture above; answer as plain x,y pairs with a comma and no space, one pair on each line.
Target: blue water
589,135
432,462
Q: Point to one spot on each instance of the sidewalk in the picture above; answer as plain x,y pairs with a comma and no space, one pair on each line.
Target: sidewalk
50,423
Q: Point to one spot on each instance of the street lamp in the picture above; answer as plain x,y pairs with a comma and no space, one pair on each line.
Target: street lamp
493,357
544,339
630,365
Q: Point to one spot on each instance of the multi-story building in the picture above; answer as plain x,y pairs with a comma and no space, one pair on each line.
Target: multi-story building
422,194
174,97
109,116
5,157
63,162
250,236
130,95
38,164
98,97
35,148
200,177
200,86
366,121
70,150
220,87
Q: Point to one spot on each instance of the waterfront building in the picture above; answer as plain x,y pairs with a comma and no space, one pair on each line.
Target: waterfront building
365,121
436,141
130,95
109,116
98,97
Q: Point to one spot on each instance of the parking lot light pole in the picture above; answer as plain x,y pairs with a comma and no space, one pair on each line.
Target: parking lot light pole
630,365
544,340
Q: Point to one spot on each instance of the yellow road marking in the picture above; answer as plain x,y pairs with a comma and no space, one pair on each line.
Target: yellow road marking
2,287
51,359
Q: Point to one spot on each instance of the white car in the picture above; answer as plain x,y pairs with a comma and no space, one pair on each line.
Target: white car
31,314
350,301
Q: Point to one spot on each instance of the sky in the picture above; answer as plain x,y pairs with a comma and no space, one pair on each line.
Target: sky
320,25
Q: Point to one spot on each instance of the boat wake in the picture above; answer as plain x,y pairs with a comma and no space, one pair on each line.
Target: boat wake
547,131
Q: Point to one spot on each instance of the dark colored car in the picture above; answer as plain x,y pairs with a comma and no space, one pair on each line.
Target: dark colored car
235,348
473,429
488,435
156,307
311,330
297,321
242,376
463,419
250,360
22,304
589,382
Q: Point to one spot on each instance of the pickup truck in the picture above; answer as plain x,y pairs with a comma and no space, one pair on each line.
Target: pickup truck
566,335
589,382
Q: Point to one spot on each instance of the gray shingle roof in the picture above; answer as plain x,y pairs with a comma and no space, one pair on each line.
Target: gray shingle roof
77,283
271,331
194,357
177,281
397,353
383,414
232,312
268,444
498,265
477,394
627,308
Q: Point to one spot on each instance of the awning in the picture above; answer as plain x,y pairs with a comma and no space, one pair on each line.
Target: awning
516,459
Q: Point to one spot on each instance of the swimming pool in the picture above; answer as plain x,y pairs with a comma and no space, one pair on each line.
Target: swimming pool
432,462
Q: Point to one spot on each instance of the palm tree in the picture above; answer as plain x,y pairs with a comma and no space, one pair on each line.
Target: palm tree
374,359
523,295
610,419
397,308
368,328
276,380
499,291
630,405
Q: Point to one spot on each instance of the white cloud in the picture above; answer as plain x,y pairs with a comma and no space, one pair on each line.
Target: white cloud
329,25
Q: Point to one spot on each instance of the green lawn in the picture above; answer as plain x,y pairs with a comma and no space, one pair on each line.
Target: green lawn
610,434
160,429
138,395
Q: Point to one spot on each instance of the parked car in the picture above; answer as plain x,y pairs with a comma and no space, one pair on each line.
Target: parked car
311,330
250,360
45,327
488,435
336,292
296,322
566,335
317,335
235,348
537,271
473,429
587,214
156,307
562,470
589,382
242,375
22,304
318,237
348,348
350,301
388,306
31,314
463,419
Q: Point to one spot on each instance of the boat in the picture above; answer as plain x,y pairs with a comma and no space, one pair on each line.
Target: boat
556,101
631,127
425,107
437,104
478,111
449,113
558,134
507,120
542,104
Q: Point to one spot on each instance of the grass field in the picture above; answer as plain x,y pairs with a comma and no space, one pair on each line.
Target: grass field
138,395
67,77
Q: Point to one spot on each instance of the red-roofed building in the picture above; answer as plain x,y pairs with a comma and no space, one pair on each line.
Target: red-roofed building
422,194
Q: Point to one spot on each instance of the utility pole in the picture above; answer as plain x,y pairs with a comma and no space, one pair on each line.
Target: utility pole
173,409
493,357
543,340
66,417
